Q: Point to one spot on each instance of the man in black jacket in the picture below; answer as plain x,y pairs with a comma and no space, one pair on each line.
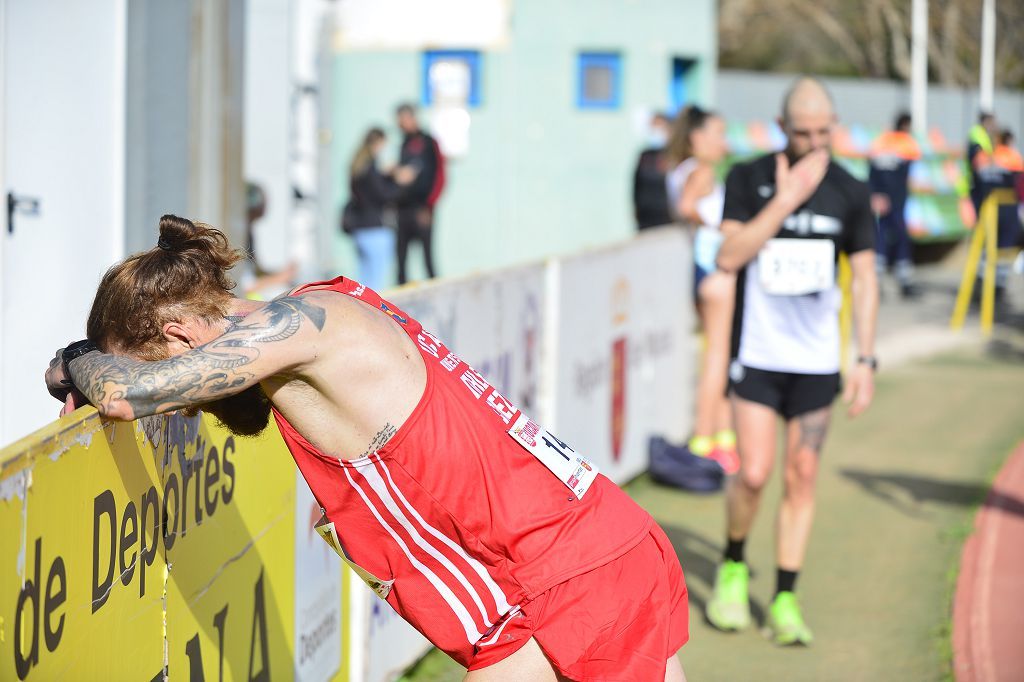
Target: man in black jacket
416,203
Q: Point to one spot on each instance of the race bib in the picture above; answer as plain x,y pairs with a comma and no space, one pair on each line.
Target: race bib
327,531
576,472
795,267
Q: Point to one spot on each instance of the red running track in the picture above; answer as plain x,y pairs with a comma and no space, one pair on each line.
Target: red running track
988,610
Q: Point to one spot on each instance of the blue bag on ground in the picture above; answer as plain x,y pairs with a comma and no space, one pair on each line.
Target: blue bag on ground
676,466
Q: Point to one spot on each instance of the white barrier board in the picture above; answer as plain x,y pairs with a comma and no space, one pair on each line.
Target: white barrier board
624,356
493,321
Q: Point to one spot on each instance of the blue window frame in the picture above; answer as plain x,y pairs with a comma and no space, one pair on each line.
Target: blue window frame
456,71
599,80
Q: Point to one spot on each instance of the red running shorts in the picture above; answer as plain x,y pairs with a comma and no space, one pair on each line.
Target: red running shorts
620,621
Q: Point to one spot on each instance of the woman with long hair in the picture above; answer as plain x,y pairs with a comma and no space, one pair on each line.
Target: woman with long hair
696,197
371,192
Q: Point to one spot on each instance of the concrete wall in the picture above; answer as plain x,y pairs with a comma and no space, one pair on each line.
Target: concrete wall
541,176
748,96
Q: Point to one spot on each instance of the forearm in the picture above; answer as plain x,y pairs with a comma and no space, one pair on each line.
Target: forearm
865,310
741,246
125,389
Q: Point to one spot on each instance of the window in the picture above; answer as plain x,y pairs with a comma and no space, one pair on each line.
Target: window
680,89
451,77
599,80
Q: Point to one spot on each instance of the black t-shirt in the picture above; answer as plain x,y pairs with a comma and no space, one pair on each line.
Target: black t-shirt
795,333
839,210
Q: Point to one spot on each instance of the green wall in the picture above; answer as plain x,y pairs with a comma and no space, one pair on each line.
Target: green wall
541,176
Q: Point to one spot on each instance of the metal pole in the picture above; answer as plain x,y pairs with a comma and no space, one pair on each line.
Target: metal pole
919,69
988,55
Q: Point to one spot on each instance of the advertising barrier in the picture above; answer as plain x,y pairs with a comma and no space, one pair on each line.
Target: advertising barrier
167,548
493,320
162,547
623,347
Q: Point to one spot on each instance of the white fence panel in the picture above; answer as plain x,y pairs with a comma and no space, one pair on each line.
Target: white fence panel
623,363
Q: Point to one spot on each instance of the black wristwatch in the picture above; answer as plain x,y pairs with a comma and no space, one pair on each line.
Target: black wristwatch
869,360
76,350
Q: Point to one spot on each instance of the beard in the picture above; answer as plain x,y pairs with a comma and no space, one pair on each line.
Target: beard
243,414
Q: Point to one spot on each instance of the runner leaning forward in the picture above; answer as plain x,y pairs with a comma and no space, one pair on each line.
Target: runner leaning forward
484,531
787,217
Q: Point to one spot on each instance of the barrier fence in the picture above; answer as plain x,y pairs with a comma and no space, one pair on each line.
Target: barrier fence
168,547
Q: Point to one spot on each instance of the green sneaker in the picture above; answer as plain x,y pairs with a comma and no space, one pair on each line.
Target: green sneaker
729,606
786,623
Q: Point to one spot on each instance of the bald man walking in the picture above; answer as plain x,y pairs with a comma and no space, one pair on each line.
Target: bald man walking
787,217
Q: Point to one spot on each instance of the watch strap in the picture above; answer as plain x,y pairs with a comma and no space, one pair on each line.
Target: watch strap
76,350
869,360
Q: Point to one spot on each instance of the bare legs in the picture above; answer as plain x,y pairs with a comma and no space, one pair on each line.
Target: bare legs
756,435
755,438
804,437
529,664
715,308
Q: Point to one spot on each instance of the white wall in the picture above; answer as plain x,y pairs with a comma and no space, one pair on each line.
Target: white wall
63,131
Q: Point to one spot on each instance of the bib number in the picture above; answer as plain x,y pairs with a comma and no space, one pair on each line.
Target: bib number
576,472
327,531
795,267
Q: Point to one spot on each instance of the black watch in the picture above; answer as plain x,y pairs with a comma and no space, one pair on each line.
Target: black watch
869,360
76,350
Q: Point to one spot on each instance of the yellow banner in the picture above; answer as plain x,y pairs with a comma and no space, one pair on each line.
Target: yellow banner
162,547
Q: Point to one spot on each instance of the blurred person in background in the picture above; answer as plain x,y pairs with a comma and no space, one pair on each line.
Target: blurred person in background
1007,174
696,196
890,157
786,218
980,147
371,194
650,201
417,200
988,172
257,282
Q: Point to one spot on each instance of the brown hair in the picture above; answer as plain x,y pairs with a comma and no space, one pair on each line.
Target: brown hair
184,276
363,157
688,120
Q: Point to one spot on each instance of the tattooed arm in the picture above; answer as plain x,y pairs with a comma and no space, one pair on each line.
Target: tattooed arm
281,336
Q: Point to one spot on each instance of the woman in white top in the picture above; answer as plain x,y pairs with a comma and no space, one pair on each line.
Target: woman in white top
696,196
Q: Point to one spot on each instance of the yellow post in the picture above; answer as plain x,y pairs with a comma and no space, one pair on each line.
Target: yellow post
986,235
963,297
988,291
846,311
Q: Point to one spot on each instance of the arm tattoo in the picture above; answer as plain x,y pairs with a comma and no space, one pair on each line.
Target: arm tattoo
380,439
813,427
212,371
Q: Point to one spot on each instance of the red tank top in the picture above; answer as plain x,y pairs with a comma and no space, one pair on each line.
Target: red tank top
453,522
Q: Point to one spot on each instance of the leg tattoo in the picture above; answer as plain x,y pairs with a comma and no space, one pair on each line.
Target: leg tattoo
813,427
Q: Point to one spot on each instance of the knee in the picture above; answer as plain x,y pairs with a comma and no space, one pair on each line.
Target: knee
801,472
754,477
